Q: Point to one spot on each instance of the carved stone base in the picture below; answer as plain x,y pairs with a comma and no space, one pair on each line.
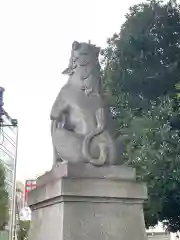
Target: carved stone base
88,203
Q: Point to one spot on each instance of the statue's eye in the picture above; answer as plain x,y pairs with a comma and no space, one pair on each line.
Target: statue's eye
84,53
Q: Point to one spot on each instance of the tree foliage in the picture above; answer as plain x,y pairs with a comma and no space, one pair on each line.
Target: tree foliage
3,200
141,73
23,230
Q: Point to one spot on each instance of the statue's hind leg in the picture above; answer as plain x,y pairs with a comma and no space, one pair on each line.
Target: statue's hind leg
68,145
56,158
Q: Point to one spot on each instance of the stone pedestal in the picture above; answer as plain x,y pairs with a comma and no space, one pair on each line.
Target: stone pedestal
82,202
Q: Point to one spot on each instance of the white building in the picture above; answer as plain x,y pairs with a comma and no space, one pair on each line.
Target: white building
159,233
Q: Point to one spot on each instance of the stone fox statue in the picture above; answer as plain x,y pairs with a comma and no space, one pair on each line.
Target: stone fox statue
80,120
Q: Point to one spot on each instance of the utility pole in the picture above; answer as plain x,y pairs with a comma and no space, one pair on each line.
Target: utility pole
1,103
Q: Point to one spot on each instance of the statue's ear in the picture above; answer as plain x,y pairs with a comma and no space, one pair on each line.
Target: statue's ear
98,50
75,45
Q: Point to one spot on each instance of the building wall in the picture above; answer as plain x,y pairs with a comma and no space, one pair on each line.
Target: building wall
158,236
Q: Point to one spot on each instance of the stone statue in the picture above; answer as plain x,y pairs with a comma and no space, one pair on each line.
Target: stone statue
80,120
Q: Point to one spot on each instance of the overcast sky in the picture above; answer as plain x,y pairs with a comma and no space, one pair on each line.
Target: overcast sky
35,44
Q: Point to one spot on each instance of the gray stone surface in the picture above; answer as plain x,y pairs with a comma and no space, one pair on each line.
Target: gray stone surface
84,170
86,220
81,124
88,208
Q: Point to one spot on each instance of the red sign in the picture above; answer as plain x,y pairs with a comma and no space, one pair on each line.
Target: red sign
29,185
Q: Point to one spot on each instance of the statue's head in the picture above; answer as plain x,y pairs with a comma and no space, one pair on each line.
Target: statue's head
85,49
82,54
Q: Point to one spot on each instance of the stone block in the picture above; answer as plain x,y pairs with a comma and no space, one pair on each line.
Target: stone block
84,205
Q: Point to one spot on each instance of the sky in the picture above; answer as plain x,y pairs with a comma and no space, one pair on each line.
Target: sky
35,44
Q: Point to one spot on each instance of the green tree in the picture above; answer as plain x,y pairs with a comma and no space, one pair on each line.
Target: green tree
23,230
4,206
145,55
140,71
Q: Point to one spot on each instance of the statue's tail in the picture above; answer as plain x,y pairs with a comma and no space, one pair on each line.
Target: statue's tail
87,140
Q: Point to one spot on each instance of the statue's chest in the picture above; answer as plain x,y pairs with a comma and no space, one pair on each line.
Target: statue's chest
79,100
82,111
83,119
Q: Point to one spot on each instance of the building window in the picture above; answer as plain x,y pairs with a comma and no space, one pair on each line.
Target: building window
9,175
6,157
